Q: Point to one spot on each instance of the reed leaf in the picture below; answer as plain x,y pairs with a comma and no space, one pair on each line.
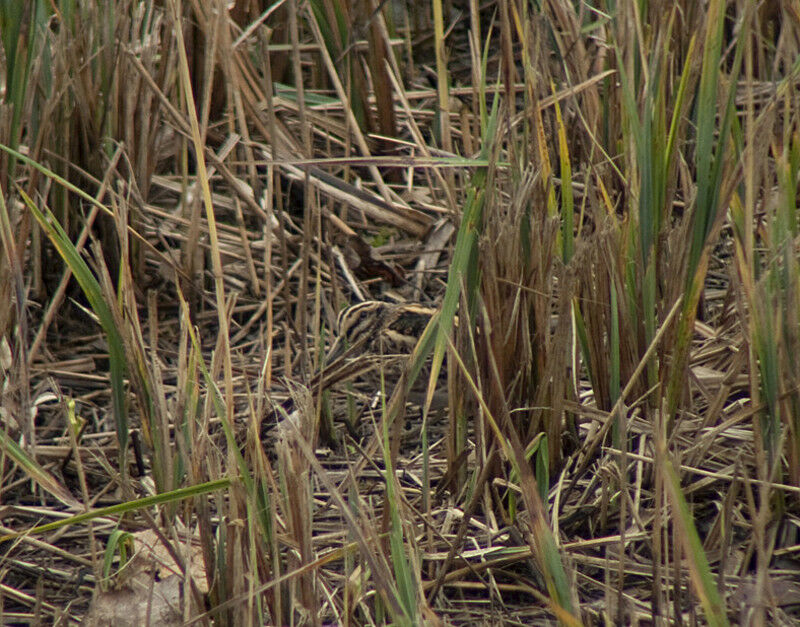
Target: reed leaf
108,322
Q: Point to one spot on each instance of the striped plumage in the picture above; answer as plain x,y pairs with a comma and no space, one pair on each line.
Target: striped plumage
360,341
358,327
364,339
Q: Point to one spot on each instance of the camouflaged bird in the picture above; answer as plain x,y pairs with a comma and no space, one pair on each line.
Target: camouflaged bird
370,335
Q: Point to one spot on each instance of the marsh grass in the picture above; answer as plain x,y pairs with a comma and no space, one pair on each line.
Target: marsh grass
598,200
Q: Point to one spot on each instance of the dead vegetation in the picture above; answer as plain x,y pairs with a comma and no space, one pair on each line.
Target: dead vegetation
587,412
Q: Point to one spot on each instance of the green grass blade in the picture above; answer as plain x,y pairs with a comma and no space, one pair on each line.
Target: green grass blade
702,580
129,506
94,294
464,266
38,474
